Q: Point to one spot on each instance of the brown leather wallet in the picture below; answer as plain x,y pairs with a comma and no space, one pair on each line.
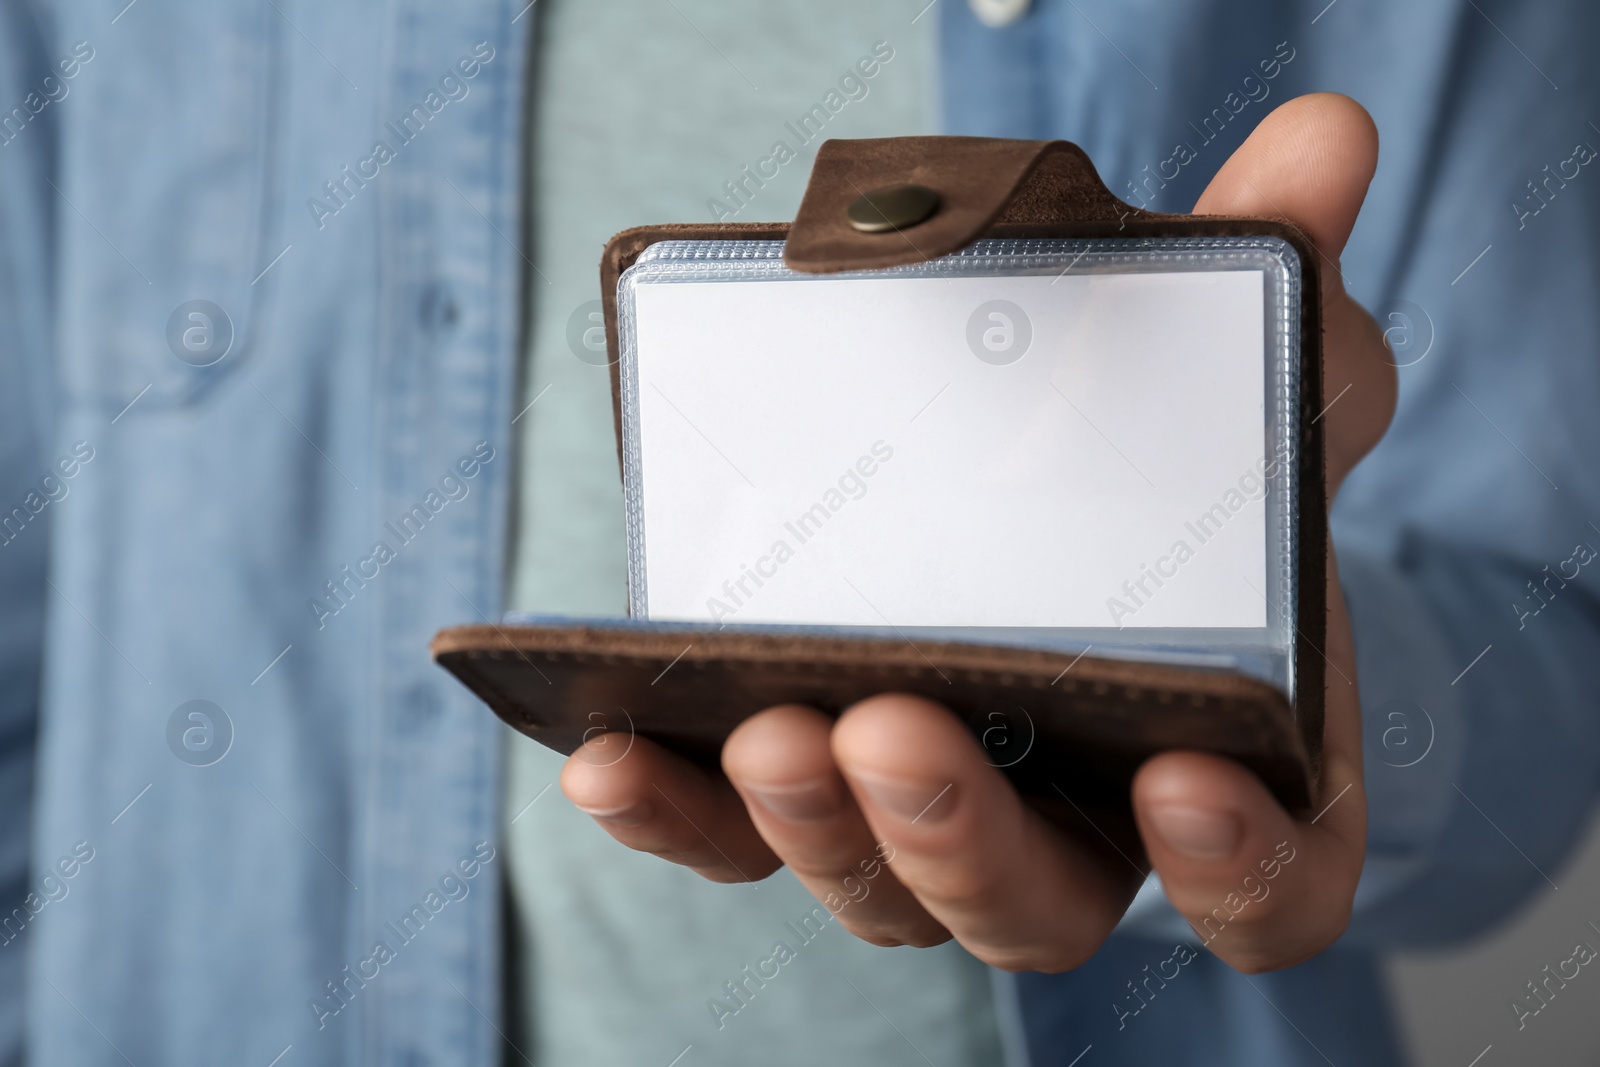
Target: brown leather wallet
1082,732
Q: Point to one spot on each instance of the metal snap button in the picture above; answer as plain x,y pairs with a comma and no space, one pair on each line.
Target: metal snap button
894,207
998,13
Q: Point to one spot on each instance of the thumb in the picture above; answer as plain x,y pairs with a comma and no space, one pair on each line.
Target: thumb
1309,161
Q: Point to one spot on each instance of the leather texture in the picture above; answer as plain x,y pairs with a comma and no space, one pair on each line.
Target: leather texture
1055,723
981,181
1101,719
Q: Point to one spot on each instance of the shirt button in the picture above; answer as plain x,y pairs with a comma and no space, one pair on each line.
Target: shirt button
997,13
438,309
419,707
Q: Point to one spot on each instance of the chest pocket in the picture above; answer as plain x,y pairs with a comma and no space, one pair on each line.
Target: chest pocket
168,157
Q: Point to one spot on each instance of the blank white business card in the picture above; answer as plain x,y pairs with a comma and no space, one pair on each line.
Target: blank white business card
1041,450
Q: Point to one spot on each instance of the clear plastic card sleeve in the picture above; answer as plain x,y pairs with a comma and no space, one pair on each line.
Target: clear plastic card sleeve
1075,445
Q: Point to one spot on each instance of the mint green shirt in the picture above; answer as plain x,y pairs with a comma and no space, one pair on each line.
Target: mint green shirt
620,958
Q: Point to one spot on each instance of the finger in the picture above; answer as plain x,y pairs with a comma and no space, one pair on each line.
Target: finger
1264,890
781,763
1310,162
1260,889
656,802
1018,894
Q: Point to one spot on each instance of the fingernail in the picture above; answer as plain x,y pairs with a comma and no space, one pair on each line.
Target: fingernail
799,802
1197,833
627,815
915,802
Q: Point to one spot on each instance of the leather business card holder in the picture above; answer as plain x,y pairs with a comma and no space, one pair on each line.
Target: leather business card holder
1053,721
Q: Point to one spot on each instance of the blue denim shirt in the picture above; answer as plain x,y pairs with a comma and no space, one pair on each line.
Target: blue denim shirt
354,390
335,426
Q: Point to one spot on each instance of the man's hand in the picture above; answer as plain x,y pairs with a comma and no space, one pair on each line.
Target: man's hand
901,778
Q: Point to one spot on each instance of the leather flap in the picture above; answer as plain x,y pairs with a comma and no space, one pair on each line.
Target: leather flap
980,181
